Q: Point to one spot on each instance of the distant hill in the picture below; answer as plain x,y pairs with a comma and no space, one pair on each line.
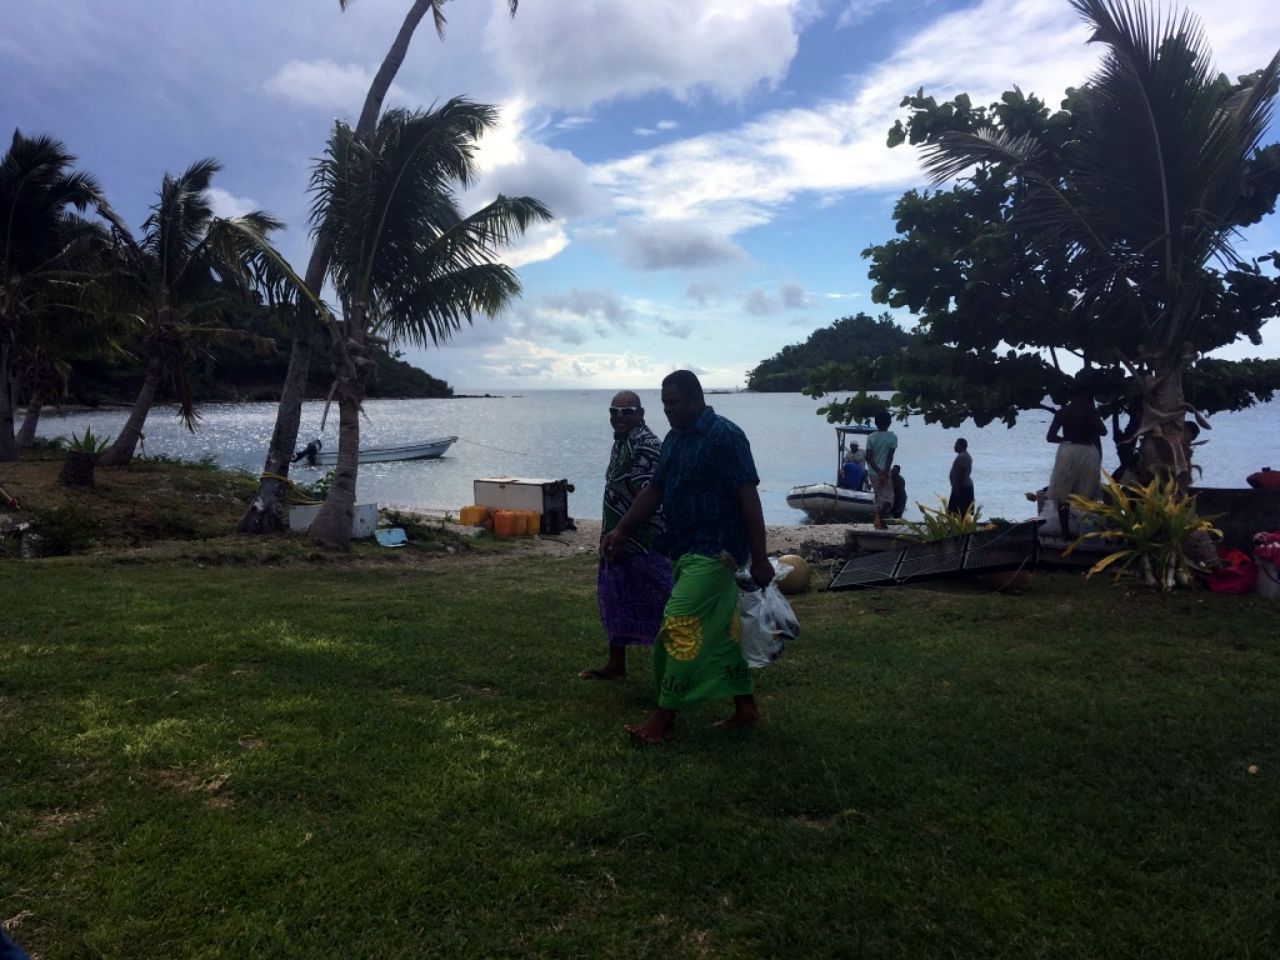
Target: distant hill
847,339
239,373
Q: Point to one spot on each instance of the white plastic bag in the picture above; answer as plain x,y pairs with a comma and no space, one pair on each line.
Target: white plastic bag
767,620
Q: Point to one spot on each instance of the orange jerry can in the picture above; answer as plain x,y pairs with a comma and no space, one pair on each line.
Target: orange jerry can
532,522
508,523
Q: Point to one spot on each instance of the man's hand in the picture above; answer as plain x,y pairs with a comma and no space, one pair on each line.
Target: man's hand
611,546
762,572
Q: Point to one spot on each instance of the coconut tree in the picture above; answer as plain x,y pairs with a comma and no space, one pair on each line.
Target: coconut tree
40,238
266,512
407,266
178,281
1154,187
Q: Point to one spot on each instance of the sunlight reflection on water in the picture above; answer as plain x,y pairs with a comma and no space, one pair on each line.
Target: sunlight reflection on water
556,434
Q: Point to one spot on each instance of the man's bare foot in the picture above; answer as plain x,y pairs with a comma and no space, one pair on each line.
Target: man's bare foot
658,727
603,673
741,720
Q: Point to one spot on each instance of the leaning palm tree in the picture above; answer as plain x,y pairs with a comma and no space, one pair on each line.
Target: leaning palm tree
180,279
1152,191
266,512
40,239
407,266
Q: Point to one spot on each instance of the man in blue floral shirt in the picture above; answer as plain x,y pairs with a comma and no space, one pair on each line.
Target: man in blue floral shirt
705,483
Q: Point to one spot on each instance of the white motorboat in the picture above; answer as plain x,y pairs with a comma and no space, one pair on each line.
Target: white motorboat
831,502
425,450
827,502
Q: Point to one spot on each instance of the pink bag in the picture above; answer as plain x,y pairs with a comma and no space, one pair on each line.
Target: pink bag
1238,573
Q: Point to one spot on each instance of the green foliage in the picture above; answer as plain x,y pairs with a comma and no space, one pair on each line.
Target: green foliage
1148,526
87,442
66,529
320,488
849,339
940,523
1051,251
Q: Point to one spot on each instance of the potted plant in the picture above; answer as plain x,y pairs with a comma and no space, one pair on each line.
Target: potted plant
82,454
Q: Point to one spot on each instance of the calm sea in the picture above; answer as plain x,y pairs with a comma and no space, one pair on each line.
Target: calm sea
555,434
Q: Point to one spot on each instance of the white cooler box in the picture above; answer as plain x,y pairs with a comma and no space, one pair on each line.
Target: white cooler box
547,497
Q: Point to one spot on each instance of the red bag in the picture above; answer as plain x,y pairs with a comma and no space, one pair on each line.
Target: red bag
1264,479
1238,573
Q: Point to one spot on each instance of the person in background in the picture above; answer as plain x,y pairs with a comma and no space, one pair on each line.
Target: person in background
899,492
633,587
310,453
1077,430
705,483
854,469
961,480
881,446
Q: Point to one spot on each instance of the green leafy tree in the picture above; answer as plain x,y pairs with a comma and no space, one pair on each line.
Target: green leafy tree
846,340
179,281
266,511
408,267
42,243
1101,232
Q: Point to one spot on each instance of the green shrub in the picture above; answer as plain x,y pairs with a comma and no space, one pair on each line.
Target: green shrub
1148,527
64,530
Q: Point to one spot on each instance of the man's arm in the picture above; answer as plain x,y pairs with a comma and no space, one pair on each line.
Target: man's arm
647,501
1055,427
753,520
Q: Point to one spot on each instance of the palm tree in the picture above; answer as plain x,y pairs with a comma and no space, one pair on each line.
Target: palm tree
408,267
266,512
179,280
1153,190
39,240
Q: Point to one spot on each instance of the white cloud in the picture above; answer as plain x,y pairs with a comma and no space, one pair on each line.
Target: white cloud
857,11
227,204
667,125
541,241
737,179
574,53
325,84
790,297
673,246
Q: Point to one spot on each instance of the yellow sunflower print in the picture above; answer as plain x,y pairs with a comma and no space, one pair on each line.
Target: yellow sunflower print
682,637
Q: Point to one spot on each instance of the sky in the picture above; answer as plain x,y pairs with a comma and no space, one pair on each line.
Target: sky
716,167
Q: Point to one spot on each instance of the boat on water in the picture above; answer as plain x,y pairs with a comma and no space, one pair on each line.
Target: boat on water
831,502
423,450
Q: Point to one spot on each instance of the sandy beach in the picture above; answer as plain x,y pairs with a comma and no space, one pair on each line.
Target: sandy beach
813,542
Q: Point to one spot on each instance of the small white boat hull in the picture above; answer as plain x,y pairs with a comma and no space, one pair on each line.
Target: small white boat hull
426,450
826,501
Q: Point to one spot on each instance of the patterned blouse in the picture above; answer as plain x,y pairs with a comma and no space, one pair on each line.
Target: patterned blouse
631,466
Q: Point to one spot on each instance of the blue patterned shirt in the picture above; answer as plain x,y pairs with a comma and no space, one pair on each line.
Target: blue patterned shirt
699,472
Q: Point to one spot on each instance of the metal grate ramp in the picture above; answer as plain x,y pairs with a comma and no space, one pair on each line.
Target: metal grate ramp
987,551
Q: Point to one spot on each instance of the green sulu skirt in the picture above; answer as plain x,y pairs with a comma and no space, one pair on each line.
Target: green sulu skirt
697,655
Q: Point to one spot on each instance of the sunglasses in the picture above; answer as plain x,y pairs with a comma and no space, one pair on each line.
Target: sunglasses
623,411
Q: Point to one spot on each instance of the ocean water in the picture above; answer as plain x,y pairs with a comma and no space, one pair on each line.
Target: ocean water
565,434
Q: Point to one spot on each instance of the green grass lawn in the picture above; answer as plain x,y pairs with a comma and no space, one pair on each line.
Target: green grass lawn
399,761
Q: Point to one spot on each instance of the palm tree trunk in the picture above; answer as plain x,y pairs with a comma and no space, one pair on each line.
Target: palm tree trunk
332,525
1164,452
8,446
27,435
121,451
390,67
266,512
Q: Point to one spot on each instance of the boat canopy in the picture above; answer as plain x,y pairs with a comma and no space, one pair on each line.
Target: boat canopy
858,428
